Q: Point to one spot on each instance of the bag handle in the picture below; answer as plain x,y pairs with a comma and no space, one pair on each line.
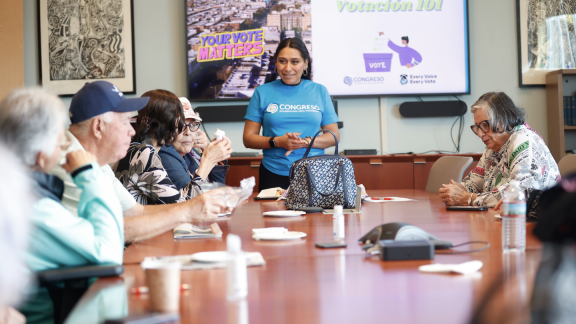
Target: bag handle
314,138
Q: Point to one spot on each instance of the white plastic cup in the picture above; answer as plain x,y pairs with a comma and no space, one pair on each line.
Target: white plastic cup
163,281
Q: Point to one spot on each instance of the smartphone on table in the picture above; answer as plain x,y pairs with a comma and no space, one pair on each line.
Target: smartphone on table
467,208
329,245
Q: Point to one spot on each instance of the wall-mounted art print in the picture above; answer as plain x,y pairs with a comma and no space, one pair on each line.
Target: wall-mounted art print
86,40
546,38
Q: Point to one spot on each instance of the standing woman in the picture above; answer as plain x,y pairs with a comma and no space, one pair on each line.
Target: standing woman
290,111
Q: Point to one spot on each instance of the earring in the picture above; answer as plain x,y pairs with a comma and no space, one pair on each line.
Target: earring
275,71
305,73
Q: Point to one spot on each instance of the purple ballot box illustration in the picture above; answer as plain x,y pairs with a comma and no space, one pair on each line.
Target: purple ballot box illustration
377,62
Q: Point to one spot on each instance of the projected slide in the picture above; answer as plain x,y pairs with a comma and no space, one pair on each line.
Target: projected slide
390,47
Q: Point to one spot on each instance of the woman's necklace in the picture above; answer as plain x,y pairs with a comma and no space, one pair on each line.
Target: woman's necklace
292,85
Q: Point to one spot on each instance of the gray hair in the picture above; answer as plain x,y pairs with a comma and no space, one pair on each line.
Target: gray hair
503,114
16,198
30,121
82,129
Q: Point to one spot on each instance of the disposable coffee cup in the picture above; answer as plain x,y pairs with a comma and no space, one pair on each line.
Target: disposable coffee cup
163,281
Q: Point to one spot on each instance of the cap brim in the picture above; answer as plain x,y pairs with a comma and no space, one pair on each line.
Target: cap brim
132,104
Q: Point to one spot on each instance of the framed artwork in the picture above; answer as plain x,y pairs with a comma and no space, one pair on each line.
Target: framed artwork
86,40
546,38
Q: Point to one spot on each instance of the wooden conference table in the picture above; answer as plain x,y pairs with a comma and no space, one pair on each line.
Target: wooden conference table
303,284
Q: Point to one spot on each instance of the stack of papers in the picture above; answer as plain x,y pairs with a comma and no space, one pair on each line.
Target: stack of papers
272,193
192,231
209,260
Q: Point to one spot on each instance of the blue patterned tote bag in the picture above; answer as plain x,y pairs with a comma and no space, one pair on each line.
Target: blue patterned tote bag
322,180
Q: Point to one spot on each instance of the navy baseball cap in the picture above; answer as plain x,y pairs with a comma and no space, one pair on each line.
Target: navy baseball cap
98,97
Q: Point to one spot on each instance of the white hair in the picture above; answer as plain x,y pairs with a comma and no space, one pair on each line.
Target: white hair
30,121
15,199
82,129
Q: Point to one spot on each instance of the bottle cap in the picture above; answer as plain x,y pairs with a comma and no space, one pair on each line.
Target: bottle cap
338,209
233,243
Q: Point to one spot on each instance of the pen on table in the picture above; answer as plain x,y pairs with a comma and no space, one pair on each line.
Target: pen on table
144,289
382,198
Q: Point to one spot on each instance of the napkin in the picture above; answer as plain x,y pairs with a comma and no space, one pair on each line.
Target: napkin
269,230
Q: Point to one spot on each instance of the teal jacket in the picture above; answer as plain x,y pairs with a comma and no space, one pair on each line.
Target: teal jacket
58,238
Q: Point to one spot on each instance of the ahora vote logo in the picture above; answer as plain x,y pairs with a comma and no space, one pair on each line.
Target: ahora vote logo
273,108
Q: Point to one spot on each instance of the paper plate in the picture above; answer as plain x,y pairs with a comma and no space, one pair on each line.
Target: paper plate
284,213
279,236
215,256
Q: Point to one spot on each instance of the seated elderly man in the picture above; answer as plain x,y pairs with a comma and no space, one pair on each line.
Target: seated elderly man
514,151
100,116
59,238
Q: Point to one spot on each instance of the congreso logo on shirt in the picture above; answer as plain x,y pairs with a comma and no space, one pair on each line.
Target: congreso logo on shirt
272,108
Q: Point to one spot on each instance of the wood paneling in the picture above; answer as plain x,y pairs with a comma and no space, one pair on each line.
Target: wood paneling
373,171
11,45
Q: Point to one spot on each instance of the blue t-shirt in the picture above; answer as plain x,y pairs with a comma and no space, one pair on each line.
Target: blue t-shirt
281,109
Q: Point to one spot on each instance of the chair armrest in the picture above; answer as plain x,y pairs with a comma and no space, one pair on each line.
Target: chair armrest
82,272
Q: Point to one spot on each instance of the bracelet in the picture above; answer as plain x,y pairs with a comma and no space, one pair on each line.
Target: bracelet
470,199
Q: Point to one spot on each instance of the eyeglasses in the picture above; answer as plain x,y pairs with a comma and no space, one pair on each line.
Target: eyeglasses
192,127
484,126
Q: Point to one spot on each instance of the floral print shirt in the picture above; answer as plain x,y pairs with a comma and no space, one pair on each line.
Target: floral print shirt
524,157
142,174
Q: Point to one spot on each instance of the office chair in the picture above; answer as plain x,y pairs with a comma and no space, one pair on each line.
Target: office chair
66,285
446,168
567,165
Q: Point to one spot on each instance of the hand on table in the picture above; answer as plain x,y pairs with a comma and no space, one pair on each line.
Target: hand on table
76,159
454,194
291,141
498,207
207,206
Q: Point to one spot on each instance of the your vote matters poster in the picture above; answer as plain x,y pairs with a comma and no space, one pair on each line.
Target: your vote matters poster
390,46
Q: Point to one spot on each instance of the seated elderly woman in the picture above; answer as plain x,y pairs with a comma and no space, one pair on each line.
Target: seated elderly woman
183,161
514,151
142,170
59,238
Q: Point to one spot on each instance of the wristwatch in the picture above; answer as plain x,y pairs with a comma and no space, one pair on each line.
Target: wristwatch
271,141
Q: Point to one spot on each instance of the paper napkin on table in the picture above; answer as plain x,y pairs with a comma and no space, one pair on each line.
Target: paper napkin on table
269,230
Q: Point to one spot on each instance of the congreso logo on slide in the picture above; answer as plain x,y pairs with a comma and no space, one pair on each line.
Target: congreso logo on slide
348,80
272,108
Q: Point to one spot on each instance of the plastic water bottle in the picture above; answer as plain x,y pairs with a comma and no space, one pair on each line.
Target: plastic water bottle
338,223
236,274
514,218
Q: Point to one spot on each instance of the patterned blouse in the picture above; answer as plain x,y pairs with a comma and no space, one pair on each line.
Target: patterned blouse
142,174
524,157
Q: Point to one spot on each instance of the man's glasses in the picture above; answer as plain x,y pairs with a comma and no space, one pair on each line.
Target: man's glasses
484,126
192,127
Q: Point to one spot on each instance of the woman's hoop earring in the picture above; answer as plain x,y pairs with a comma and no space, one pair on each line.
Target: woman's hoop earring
305,73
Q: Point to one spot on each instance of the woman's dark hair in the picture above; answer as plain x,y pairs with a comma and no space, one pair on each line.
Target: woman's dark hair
162,119
298,44
503,114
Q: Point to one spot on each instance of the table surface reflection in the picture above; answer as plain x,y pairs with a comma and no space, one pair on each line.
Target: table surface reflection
304,284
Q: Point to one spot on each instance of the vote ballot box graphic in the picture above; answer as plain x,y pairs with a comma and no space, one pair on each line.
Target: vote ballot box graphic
377,62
